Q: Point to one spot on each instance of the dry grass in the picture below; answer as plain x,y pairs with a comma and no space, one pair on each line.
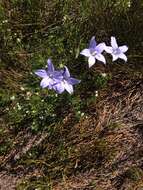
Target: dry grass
103,151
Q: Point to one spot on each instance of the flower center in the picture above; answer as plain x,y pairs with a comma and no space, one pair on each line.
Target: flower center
116,51
94,53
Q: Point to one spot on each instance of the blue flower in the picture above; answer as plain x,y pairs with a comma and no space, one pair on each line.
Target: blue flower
94,52
66,83
116,51
56,80
50,76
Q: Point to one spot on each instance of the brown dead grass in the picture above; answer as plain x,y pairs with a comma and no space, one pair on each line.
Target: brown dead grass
106,147
122,105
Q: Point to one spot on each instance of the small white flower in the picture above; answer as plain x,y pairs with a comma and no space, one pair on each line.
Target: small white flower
103,74
22,88
19,107
18,40
12,98
96,93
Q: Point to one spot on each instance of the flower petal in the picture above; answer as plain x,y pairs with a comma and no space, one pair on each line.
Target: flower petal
50,66
114,57
73,81
66,73
108,49
59,88
91,61
58,75
92,43
45,82
86,52
123,56
41,73
114,43
123,48
68,87
100,47
101,58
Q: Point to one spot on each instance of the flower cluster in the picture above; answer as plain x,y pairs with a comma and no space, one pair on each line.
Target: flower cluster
95,51
58,80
